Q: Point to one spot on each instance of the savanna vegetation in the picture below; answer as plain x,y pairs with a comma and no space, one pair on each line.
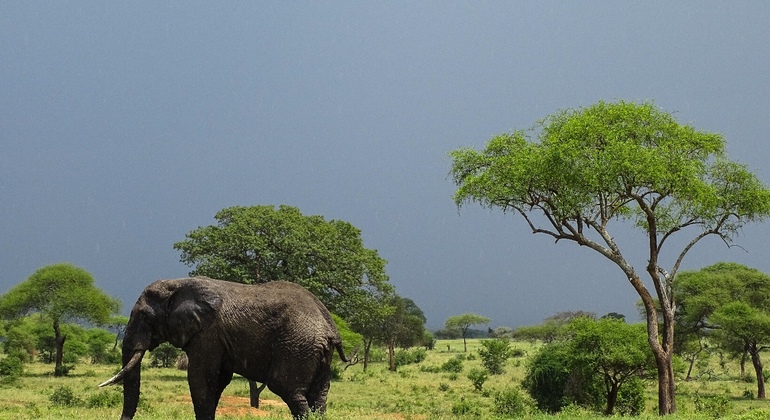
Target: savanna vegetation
572,177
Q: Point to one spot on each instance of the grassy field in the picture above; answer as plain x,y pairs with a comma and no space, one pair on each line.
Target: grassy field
410,393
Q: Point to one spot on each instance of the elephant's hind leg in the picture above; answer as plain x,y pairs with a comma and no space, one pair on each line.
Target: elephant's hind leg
319,389
295,399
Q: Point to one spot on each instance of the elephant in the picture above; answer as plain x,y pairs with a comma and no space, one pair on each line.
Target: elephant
276,333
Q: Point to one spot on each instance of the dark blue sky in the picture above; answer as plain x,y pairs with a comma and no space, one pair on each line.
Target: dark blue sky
125,125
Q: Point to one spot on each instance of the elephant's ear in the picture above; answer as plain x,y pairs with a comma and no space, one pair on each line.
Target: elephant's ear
191,309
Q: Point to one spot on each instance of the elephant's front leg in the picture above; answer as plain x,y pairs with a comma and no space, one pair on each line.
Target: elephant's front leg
207,380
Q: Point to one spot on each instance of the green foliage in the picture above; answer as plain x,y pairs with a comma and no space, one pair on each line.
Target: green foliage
547,376
406,357
11,369
579,171
351,340
105,399
733,301
478,377
258,244
510,402
466,407
494,353
164,356
63,396
630,398
454,364
463,322
716,406
60,293
598,357
100,346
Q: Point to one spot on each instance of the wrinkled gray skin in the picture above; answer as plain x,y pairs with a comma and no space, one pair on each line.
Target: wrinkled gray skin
276,333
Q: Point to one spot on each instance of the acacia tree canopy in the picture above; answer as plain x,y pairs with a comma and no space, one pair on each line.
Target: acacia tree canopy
578,171
258,244
732,301
463,322
60,293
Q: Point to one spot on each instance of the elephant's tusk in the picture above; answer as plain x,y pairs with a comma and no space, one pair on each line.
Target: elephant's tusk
135,359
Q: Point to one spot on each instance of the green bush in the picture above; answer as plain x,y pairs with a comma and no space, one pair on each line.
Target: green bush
547,376
715,406
494,353
454,364
406,357
630,400
510,403
11,369
165,355
465,408
64,397
105,399
478,377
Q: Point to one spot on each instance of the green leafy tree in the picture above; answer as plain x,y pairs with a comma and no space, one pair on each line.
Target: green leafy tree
100,349
60,293
612,349
589,168
370,321
404,327
463,322
258,244
597,365
733,301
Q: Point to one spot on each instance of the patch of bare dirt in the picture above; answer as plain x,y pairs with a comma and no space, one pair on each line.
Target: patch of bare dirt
239,406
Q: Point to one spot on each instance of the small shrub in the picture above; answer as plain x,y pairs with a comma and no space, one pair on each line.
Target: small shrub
454,364
105,399
453,376
430,369
406,357
11,369
510,402
164,356
748,394
494,353
518,353
63,370
478,377
443,387
715,406
465,408
64,397
630,400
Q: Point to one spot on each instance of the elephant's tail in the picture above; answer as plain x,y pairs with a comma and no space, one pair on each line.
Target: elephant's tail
338,346
353,356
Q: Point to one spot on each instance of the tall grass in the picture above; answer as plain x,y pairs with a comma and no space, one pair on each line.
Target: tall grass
415,391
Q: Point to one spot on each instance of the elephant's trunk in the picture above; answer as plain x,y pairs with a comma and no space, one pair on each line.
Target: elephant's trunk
135,343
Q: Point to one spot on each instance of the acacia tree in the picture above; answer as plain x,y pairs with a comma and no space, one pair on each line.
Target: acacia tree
259,244
60,293
463,322
732,301
614,350
587,168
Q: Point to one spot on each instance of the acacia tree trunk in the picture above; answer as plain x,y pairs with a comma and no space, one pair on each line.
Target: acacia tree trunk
612,397
59,344
367,347
392,355
254,392
663,347
757,362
